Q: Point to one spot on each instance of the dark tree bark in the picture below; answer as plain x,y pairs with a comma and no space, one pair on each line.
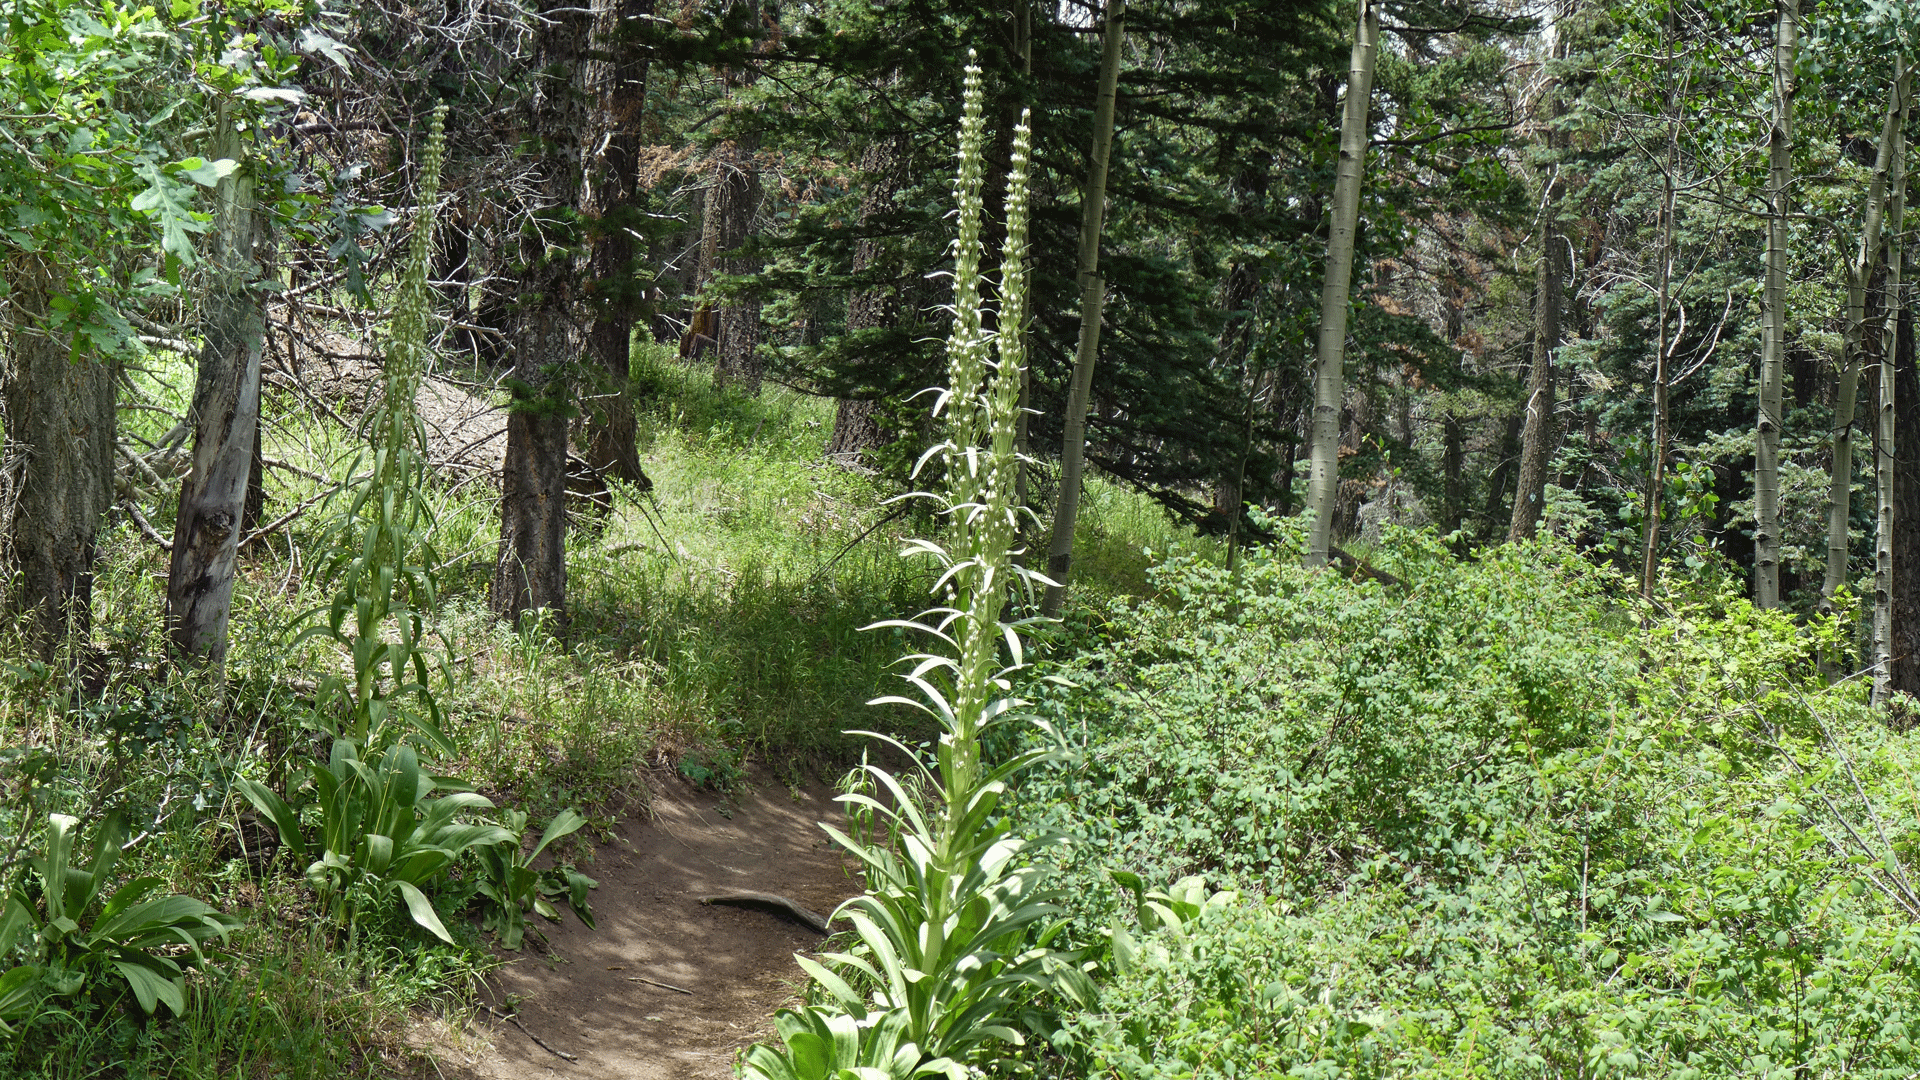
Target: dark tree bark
856,423
1503,469
1536,437
621,88
1905,676
1453,462
731,203
1237,299
60,428
453,266
256,501
530,572
226,421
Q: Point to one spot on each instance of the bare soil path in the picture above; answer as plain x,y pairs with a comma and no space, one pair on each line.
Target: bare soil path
583,996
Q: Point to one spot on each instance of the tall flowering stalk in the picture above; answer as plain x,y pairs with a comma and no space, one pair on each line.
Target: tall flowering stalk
379,557
951,937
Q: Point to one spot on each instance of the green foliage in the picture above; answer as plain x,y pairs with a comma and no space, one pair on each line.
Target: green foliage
826,1044
513,888
1495,819
382,834
1288,729
81,940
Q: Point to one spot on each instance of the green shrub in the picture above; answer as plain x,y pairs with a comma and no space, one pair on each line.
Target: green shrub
1284,730
1492,818
512,888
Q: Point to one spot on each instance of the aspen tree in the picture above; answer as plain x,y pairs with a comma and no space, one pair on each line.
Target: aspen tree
1093,296
1883,456
1840,491
1329,385
1766,455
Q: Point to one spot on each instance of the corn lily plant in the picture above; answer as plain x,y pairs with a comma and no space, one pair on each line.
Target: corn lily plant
383,833
951,935
377,554
80,938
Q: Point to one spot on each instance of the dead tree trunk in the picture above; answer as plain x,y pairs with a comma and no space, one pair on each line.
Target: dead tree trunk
60,428
530,571
225,418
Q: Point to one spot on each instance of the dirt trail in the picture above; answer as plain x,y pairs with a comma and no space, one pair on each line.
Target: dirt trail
581,997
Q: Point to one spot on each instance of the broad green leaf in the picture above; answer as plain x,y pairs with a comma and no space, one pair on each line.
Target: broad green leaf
151,988
422,911
208,173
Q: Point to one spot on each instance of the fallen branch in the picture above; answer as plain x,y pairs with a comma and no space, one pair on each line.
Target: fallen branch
769,901
146,530
1363,568
276,463
170,344
282,521
142,464
515,1021
163,411
661,985
817,574
485,438
290,383
335,127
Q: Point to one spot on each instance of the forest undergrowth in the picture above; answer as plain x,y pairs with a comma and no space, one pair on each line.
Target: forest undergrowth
1475,818
1467,817
715,627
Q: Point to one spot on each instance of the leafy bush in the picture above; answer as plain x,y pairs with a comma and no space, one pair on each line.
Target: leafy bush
513,888
1491,818
1287,729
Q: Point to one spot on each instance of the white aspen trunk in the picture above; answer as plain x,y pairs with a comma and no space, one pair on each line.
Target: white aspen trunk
1883,456
1840,493
1329,384
1773,333
1093,296
1669,191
